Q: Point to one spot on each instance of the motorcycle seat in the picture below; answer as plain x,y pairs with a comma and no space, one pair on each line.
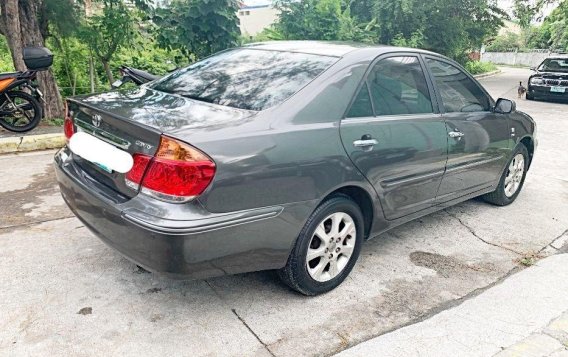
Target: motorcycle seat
143,74
9,75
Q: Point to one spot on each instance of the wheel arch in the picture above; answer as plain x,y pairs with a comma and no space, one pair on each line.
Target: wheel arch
529,143
363,199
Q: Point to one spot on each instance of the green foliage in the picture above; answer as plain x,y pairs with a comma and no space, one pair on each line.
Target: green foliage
6,64
552,34
453,27
268,34
525,11
537,37
556,27
63,16
198,28
416,40
322,20
478,67
109,31
505,42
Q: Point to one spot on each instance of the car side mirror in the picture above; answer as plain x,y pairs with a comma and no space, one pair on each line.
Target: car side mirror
505,106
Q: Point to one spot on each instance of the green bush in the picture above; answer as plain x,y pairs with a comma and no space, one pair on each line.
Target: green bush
478,67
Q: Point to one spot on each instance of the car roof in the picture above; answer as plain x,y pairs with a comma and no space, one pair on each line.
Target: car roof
327,48
563,57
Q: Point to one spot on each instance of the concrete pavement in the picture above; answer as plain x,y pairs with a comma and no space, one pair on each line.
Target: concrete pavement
526,315
65,293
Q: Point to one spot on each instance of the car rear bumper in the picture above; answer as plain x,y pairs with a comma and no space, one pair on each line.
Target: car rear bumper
204,245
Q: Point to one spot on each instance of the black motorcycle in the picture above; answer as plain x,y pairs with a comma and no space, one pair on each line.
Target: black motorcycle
20,99
134,75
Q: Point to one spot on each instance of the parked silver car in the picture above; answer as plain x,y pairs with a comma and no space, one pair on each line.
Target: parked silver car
286,156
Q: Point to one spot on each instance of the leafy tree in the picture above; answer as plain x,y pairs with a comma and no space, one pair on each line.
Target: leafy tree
528,10
107,32
553,33
452,27
505,42
322,20
537,37
26,23
198,28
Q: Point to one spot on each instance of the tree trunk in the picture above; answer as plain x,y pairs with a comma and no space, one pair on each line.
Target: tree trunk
11,21
20,20
91,71
31,36
108,72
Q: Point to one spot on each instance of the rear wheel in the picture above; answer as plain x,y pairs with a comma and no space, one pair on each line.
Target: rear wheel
327,248
512,179
19,111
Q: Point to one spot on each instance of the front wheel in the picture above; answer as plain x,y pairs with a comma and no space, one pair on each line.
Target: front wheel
512,179
19,111
327,248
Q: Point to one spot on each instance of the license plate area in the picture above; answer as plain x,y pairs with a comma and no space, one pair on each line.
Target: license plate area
557,89
103,167
102,154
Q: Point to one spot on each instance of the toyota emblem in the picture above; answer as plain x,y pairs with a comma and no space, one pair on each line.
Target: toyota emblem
97,120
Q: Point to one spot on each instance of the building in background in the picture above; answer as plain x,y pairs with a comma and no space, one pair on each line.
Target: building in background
255,16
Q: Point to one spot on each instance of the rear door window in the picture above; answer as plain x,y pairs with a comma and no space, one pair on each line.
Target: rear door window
361,106
246,78
398,86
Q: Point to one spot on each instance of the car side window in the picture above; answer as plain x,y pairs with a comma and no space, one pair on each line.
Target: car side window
398,86
459,93
361,106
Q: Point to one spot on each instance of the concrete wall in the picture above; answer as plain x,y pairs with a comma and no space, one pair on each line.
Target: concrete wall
528,59
254,20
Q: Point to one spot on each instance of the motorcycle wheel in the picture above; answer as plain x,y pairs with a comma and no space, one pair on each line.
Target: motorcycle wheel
19,111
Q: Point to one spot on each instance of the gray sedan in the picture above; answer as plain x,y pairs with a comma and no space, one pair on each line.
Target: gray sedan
286,156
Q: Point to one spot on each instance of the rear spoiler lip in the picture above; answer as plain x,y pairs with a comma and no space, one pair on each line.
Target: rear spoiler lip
111,114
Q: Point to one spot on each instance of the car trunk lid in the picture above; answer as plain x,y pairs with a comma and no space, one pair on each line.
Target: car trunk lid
134,121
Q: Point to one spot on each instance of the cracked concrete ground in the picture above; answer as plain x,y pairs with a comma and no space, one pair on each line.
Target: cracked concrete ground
65,293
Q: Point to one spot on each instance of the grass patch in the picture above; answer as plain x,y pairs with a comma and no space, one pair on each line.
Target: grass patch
529,259
478,67
54,122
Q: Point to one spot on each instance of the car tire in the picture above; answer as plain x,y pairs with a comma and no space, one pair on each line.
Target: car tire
512,178
529,96
335,228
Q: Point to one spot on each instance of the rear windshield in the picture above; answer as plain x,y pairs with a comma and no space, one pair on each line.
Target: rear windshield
245,78
554,65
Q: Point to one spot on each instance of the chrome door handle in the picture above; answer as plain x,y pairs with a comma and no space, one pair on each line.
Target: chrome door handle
365,143
455,134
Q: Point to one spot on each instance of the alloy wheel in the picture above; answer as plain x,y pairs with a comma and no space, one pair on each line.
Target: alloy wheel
514,175
331,246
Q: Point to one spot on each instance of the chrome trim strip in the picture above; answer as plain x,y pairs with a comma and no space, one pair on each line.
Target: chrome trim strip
466,166
400,181
205,225
103,135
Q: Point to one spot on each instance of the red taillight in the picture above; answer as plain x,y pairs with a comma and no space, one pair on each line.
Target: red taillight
177,173
135,175
68,127
179,178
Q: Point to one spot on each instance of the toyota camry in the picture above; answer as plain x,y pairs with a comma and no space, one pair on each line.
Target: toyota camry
286,156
